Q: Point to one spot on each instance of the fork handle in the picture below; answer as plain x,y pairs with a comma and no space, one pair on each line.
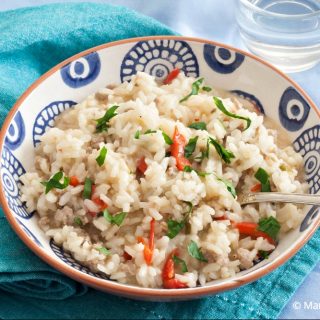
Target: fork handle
280,197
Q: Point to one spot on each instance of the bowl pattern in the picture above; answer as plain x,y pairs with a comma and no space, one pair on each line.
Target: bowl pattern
46,117
220,65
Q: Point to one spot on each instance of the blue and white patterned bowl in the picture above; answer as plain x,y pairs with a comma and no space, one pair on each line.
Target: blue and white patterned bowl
222,66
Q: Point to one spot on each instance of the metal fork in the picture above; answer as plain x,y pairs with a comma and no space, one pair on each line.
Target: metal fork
254,197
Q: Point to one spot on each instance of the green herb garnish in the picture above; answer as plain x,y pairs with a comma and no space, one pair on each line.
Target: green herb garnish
54,182
263,254
103,123
270,226
150,131
190,208
223,109
102,156
207,89
114,219
167,139
104,251
199,173
190,147
263,177
225,154
198,126
194,89
137,134
78,221
195,252
87,190
174,227
188,169
229,186
181,263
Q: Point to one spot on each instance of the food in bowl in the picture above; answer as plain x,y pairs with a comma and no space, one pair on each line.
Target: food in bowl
140,182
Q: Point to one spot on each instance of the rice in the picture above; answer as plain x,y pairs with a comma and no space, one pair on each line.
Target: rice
160,194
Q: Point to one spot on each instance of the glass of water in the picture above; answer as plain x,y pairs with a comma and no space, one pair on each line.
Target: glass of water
283,32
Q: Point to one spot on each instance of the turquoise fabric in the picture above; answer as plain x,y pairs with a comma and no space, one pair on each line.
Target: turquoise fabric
32,41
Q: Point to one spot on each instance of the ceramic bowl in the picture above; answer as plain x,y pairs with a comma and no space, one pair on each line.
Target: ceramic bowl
222,66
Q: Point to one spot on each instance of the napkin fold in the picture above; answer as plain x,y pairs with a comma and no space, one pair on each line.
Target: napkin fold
32,41
22,273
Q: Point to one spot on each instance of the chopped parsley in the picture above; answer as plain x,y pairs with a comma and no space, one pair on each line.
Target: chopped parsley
137,134
194,89
198,126
270,226
54,182
195,252
103,123
102,156
199,173
263,254
206,88
150,131
229,186
223,109
114,219
190,147
181,263
225,154
263,177
78,221
167,139
87,190
174,227
104,251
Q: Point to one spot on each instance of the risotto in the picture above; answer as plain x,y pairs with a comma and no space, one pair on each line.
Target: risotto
140,182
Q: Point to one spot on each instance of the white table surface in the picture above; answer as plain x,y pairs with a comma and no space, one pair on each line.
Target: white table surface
214,19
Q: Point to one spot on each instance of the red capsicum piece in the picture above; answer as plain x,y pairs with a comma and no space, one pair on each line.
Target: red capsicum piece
251,229
142,166
127,256
102,205
177,150
148,248
168,274
74,181
171,76
256,188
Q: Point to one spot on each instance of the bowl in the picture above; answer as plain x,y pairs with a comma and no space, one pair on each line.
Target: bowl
68,83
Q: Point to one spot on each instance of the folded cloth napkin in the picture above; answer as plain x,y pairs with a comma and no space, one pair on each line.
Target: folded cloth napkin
32,41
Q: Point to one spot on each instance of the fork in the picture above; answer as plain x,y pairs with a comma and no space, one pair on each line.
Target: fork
254,197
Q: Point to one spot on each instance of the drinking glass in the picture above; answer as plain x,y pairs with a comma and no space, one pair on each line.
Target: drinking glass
283,32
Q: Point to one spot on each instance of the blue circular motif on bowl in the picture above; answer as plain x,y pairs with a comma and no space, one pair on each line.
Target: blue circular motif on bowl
11,170
16,132
30,234
158,58
310,216
46,116
222,60
293,110
308,145
68,259
82,71
251,98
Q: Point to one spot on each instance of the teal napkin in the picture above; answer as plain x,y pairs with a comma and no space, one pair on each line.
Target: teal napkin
32,41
